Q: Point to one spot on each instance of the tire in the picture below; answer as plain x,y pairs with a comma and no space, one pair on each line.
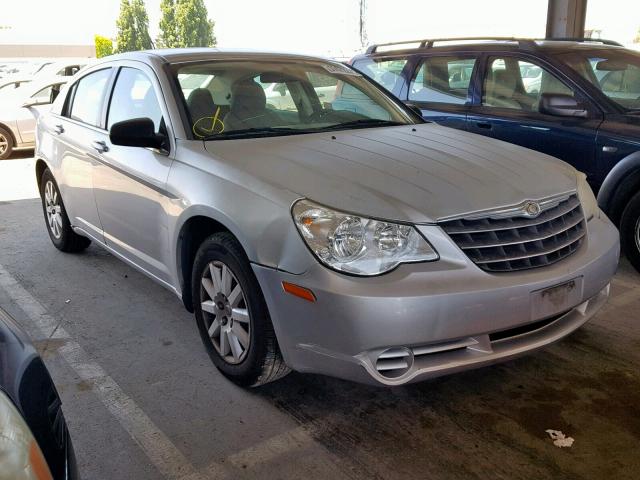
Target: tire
55,216
253,358
6,144
630,231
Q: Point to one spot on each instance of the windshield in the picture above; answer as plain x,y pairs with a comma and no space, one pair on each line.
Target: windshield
616,73
239,99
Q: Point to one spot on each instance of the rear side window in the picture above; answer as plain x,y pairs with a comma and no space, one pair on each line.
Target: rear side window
134,97
442,80
88,95
387,73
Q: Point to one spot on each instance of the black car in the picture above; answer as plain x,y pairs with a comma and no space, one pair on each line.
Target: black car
575,99
34,441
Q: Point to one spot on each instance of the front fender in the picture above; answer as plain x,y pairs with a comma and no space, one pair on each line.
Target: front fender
614,180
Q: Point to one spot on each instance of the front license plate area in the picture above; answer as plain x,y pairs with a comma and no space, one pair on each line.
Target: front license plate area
551,301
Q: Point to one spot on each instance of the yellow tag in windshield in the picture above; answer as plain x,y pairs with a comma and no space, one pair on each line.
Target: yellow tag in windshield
205,126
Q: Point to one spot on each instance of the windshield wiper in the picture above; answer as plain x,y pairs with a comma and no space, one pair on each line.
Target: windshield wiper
254,132
364,122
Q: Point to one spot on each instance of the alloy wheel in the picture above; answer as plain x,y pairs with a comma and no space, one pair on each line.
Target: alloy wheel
53,209
4,143
225,312
637,234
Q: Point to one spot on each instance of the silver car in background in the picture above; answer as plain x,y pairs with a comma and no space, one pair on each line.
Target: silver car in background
343,236
19,109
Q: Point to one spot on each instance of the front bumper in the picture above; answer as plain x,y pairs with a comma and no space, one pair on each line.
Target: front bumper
438,317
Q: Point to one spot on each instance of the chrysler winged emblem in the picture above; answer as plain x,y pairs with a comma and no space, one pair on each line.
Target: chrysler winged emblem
531,208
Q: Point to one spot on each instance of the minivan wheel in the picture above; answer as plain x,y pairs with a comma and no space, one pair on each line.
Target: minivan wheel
60,232
232,315
6,144
630,231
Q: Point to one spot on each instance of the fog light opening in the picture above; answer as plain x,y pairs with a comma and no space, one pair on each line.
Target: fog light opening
394,362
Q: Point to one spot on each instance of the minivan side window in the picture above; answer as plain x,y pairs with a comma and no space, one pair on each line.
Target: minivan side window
387,73
134,97
88,94
518,84
442,80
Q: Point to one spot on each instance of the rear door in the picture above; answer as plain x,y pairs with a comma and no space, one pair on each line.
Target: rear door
130,182
439,87
74,132
509,110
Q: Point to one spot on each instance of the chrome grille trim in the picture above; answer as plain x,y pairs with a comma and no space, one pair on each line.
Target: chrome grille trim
520,243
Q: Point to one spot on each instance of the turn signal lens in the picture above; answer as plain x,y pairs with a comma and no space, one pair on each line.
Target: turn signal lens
299,291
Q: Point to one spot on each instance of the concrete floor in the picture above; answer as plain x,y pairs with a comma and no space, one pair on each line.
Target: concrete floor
143,401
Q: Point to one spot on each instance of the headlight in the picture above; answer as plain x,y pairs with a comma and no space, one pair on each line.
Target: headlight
20,455
353,244
587,198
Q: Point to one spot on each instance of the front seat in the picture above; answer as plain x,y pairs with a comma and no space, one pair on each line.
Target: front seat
248,107
201,106
501,90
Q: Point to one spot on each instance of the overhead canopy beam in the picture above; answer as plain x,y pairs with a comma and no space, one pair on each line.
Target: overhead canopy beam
565,18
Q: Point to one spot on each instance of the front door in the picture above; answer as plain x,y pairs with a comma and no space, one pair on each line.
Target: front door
440,89
129,181
509,111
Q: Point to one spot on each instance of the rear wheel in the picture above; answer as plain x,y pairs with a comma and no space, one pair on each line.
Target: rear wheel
60,232
6,143
630,231
232,315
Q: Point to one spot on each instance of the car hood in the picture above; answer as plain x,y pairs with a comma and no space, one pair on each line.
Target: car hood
415,173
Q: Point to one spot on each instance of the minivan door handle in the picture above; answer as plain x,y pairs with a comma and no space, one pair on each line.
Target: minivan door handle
100,146
58,129
483,125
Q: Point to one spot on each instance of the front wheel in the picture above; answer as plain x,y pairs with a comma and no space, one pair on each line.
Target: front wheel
630,231
55,215
6,143
232,315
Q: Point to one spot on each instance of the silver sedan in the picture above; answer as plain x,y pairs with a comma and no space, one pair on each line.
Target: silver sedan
339,234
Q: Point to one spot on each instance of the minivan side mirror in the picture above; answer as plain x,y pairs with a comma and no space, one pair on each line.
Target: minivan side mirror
137,132
561,106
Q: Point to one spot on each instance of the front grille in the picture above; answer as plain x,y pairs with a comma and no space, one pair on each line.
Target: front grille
498,244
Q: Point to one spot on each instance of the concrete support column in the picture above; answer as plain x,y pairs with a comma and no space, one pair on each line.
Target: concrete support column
565,18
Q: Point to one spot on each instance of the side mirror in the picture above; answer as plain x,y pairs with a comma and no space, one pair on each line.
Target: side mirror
415,109
561,106
34,102
137,132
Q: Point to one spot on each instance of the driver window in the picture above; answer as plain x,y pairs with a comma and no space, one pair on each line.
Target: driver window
518,84
134,97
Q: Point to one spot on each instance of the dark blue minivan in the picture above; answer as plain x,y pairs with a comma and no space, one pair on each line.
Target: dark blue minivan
575,99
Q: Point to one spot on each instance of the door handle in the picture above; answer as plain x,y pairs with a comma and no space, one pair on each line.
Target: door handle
58,129
483,125
100,146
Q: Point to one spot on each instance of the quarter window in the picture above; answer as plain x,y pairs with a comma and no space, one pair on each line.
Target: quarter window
442,80
518,84
134,97
88,97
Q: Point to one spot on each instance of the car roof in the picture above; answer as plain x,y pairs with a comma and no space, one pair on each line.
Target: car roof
179,55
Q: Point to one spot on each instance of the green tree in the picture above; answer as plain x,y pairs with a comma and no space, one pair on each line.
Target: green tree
104,46
133,27
194,29
168,37
637,39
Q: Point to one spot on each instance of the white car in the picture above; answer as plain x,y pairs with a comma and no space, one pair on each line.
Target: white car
19,110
